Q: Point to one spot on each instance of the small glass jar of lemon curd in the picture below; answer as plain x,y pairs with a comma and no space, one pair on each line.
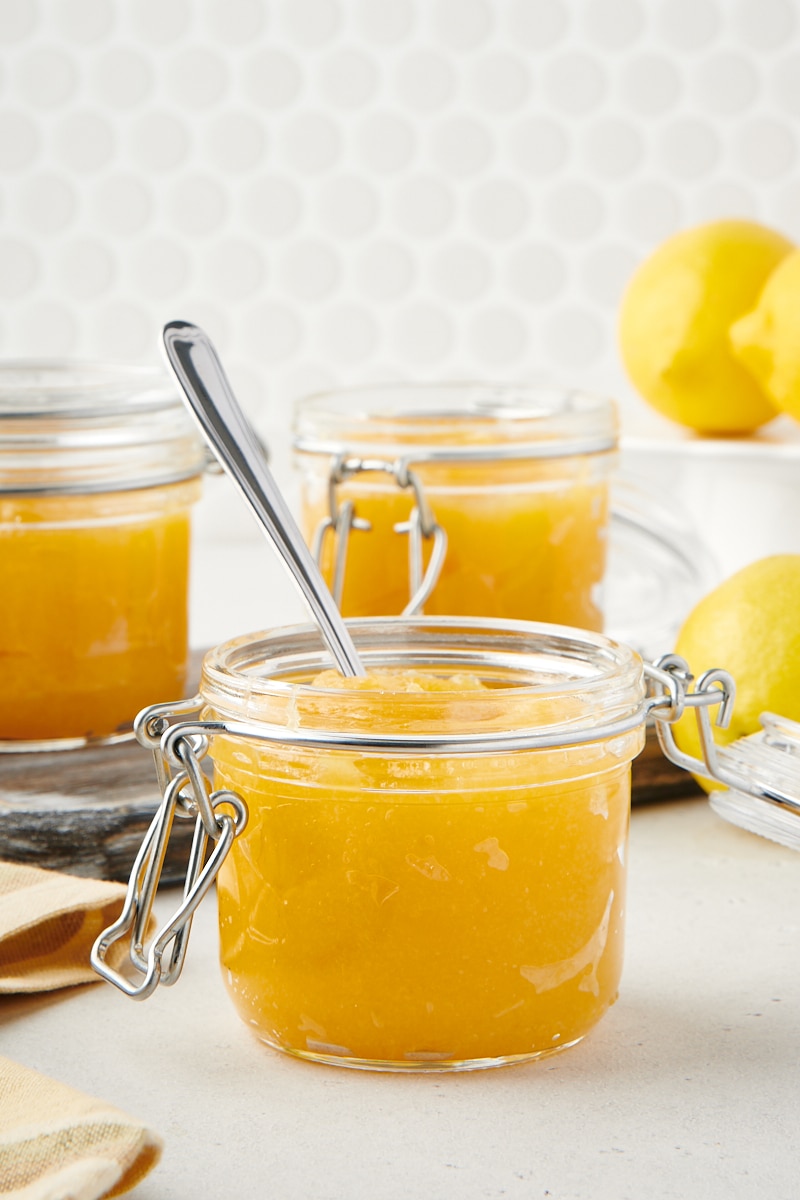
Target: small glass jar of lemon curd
463,499
99,468
422,868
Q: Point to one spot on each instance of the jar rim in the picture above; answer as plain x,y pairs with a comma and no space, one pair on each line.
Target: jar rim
39,388
75,426
455,419
545,677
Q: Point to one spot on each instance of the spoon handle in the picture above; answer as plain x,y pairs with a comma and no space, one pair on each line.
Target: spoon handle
209,396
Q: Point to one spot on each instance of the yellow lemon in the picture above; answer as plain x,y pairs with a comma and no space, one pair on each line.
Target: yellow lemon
750,626
674,321
767,340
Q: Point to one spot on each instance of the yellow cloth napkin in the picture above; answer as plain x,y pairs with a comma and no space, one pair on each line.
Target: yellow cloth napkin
56,1143
48,924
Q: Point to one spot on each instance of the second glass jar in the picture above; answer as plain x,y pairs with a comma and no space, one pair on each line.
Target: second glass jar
506,485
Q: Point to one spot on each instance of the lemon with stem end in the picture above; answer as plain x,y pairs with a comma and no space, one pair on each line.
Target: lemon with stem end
750,626
675,318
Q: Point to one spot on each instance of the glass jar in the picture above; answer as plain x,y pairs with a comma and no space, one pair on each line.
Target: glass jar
501,491
423,869
432,873
99,467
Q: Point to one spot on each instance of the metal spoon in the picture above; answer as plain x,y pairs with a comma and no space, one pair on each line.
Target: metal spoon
210,399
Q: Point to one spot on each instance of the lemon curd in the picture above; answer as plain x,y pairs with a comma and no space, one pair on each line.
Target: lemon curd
428,906
94,608
516,477
99,469
523,540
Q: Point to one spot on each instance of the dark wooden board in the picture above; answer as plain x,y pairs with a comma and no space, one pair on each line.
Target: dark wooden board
86,811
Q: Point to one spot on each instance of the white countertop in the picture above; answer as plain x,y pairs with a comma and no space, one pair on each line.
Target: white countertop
688,1088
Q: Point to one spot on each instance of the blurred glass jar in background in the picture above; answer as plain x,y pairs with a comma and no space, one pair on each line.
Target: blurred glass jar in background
467,499
99,468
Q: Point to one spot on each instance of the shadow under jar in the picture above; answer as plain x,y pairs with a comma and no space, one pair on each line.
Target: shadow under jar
432,873
509,482
99,468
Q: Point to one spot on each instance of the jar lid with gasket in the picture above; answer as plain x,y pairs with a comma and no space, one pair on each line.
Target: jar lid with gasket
456,420
75,427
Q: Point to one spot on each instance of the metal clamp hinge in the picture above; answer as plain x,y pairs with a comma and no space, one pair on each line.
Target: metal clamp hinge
219,816
761,771
421,526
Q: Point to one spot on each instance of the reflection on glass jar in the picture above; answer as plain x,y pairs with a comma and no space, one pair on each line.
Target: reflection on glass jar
99,467
432,875
484,500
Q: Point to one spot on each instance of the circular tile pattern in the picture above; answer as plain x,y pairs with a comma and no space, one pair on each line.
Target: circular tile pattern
498,337
539,146
499,82
425,81
384,270
83,141
499,209
196,204
649,84
311,143
538,26
46,78
422,206
20,141
46,203
345,334
461,146
271,205
536,273
85,267
385,142
159,142
574,211
309,269
233,269
121,204
45,328
689,148
85,22
766,149
121,78
575,83
234,22
19,268
422,335
460,272
349,78
235,142
614,24
271,79
159,267
198,77
726,84
612,148
651,211
353,189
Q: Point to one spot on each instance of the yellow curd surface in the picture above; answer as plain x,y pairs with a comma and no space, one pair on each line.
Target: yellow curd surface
93,613
525,540
420,911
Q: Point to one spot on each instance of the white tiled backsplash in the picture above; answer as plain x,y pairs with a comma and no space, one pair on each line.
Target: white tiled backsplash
348,189
341,190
